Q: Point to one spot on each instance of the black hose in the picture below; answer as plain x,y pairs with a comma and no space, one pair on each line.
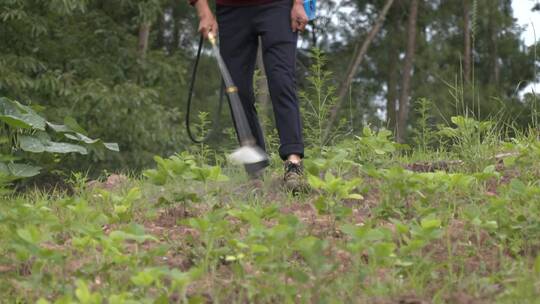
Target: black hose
215,123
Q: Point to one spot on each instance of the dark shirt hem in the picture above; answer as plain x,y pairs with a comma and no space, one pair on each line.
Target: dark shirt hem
241,2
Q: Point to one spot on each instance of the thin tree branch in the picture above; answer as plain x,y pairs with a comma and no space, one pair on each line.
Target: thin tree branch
355,63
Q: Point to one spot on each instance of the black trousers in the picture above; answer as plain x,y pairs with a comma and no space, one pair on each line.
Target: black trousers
239,29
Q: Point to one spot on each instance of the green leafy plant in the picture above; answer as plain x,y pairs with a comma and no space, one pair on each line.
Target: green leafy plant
375,147
424,134
27,133
122,206
318,100
334,191
471,140
182,167
213,229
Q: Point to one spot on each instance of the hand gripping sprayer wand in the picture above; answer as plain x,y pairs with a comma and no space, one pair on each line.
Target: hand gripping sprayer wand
249,152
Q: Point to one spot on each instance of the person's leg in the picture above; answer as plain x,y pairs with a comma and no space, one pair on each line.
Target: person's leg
238,47
279,53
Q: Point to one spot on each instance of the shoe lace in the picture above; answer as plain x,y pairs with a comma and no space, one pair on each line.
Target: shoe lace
294,168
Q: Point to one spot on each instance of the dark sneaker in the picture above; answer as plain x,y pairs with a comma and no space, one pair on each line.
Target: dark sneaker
294,177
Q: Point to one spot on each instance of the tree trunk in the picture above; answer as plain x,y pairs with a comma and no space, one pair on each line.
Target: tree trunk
403,113
467,56
392,88
354,64
174,41
494,51
313,34
392,68
262,85
161,25
144,33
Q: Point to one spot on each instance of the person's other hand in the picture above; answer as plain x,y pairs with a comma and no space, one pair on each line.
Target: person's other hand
299,18
207,23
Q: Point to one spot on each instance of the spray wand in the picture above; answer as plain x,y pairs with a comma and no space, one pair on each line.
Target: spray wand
249,152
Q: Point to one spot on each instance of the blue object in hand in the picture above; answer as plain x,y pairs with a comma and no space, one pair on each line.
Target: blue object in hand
311,9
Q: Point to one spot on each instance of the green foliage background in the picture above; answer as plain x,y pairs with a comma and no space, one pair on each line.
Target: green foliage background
80,58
